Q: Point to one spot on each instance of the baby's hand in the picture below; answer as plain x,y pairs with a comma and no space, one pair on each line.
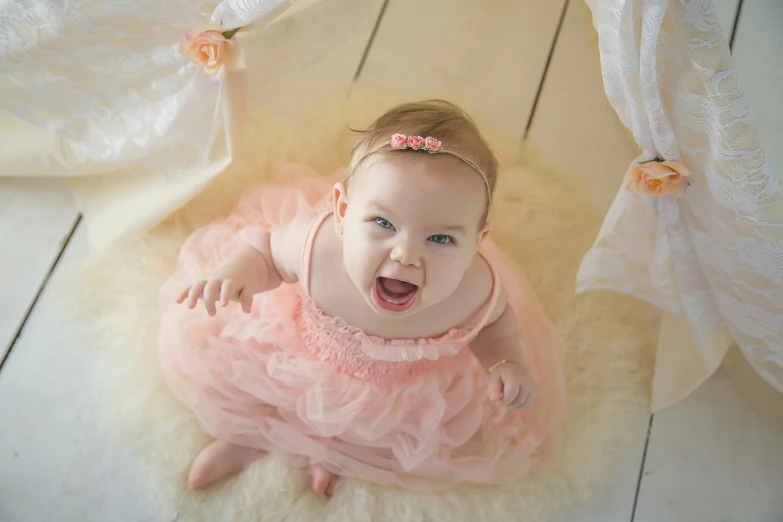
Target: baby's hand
238,278
511,383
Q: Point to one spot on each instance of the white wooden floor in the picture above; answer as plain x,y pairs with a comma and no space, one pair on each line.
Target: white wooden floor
707,459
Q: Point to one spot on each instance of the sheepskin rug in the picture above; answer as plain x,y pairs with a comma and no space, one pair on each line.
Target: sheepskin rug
540,220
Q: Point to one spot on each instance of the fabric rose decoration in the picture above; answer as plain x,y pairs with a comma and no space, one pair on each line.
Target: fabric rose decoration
399,141
415,142
432,144
212,49
658,178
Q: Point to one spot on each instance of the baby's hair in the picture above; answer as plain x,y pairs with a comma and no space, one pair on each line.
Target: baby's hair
443,121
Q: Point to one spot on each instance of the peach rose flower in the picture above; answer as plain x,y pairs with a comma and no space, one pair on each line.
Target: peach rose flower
658,178
415,142
211,50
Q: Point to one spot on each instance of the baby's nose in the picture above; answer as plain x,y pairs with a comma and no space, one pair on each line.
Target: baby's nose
406,254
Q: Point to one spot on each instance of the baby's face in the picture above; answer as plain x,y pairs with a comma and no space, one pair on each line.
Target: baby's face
410,229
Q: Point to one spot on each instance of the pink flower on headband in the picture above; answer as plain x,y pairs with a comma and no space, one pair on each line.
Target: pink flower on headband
399,141
432,144
415,142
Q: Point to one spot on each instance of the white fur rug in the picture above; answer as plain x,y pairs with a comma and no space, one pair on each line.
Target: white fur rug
539,219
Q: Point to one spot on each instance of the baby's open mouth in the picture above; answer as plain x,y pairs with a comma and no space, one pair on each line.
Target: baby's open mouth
394,295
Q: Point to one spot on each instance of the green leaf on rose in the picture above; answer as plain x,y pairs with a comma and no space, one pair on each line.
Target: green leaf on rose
659,160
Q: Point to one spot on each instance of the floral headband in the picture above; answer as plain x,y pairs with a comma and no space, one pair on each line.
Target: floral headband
433,146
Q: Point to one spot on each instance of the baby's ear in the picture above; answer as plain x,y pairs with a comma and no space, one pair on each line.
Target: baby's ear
484,232
340,205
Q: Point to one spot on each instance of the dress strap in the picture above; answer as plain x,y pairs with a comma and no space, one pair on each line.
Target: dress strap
307,251
491,302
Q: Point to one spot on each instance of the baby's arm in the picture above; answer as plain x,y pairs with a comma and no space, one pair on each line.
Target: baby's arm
499,339
499,350
273,258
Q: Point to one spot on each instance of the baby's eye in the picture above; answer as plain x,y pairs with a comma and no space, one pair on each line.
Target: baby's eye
384,223
442,239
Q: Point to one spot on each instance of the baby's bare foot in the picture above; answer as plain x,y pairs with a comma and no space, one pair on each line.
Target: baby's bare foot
218,460
323,481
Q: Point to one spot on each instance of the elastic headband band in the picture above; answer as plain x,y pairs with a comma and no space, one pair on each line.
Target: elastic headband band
432,146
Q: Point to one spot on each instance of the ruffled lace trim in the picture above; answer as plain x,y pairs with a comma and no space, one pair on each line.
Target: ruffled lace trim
395,350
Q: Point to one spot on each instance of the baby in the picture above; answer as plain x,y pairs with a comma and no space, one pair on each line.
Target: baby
368,328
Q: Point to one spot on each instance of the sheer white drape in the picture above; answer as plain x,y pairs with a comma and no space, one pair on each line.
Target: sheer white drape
102,76
712,260
136,127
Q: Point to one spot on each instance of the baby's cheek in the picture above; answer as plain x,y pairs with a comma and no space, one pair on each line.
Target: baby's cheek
443,282
362,258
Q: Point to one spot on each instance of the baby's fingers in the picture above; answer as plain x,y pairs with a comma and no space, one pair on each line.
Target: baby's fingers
520,401
246,300
495,387
525,400
183,295
196,291
530,401
511,393
211,291
229,291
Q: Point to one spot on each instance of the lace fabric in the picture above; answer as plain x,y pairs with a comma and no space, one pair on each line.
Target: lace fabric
82,51
378,348
712,260
127,113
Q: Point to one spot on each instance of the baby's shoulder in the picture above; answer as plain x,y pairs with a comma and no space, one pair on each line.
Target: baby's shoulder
299,226
326,255
288,244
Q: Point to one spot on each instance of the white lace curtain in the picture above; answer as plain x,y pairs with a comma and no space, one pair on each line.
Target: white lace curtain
712,260
101,77
134,127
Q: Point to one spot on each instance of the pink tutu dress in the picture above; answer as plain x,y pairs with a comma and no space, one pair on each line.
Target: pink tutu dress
289,379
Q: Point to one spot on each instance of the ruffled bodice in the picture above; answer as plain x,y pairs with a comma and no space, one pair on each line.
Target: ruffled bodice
369,357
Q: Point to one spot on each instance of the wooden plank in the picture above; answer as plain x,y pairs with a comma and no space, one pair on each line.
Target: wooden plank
574,129
711,458
56,463
487,57
35,217
613,501
759,66
316,47
726,10
572,101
